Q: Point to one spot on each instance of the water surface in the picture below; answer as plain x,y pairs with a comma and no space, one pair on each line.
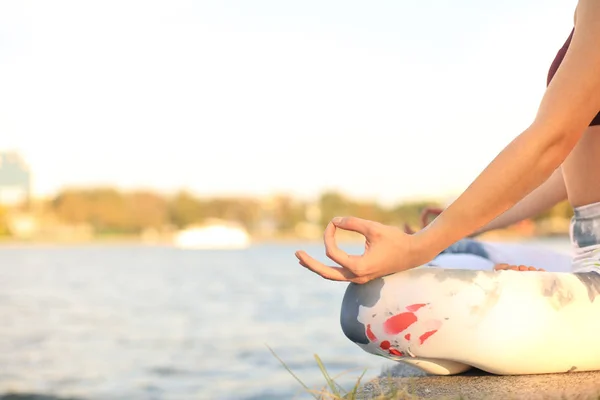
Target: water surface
137,322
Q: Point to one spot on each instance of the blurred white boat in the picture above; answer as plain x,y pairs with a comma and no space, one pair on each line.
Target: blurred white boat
214,234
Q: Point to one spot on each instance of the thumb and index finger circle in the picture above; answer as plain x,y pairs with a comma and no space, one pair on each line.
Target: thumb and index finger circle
353,224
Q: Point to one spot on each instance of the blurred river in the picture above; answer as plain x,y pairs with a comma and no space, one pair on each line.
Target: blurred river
139,322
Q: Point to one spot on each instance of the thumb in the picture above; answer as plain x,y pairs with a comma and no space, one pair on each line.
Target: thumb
353,224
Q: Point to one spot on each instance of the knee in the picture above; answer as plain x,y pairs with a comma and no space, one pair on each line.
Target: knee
366,295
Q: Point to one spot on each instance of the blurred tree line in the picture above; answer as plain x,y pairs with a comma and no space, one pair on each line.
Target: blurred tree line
110,211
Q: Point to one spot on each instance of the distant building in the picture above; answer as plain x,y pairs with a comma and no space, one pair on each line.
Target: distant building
15,180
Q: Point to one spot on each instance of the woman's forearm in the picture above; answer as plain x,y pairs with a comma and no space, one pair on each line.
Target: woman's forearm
547,195
522,166
568,106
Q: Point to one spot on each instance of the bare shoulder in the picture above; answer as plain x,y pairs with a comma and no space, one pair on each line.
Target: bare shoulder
586,35
586,12
573,97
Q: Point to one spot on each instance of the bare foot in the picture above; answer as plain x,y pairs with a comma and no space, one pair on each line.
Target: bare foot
505,267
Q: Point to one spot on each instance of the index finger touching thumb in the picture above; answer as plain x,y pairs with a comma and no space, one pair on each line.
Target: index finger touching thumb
353,224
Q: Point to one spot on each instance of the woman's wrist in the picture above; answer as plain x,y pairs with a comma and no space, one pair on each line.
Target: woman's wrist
427,244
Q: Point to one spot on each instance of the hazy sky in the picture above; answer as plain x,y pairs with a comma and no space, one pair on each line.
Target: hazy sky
383,100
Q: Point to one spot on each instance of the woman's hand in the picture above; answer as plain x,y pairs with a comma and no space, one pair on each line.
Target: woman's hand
506,267
387,250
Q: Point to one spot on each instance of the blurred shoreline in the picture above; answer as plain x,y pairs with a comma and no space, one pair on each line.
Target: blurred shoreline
120,240
109,216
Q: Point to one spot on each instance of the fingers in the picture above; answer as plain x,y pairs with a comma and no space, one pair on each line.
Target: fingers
331,248
504,267
362,226
331,273
358,225
408,230
531,268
